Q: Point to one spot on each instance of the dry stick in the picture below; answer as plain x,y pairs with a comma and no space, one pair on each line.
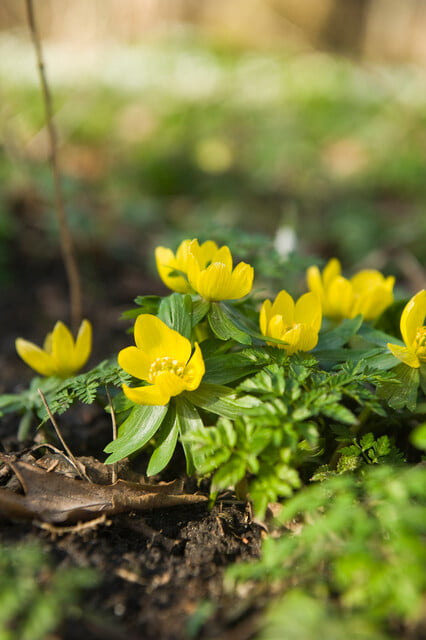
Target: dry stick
114,434
71,456
67,248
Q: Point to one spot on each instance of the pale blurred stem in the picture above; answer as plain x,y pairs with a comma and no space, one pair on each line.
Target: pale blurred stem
114,475
66,241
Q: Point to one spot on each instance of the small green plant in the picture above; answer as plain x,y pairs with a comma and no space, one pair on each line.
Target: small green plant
263,396
35,599
350,558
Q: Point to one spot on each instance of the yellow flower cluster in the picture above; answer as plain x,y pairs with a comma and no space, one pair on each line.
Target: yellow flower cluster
205,269
368,292
167,362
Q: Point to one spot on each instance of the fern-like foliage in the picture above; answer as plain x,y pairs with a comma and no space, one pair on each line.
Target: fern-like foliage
61,394
86,387
263,452
359,547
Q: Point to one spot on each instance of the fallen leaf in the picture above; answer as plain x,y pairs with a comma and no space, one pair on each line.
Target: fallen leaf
50,496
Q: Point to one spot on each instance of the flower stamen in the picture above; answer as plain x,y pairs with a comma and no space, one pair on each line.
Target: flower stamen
420,343
160,365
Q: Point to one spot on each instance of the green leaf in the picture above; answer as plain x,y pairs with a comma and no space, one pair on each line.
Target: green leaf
11,402
226,368
146,304
340,335
188,420
223,325
418,437
328,357
401,392
229,474
383,360
176,312
366,441
220,400
376,337
165,443
138,428
340,413
199,310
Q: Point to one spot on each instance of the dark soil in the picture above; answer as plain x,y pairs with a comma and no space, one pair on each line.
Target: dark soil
155,571
160,573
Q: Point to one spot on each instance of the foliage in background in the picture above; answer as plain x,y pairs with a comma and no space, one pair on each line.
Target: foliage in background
183,145
350,559
35,598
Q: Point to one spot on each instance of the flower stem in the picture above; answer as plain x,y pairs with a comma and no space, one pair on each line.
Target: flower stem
66,241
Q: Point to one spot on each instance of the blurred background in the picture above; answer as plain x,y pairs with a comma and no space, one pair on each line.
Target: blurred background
292,130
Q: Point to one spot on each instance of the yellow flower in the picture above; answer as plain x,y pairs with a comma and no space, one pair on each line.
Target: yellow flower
60,356
173,268
297,324
368,292
217,280
161,357
413,331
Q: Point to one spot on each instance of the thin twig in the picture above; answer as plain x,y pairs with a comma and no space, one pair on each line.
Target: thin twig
66,241
70,454
75,528
114,433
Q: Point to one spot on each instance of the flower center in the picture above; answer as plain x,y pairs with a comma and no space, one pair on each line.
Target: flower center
290,327
420,343
160,365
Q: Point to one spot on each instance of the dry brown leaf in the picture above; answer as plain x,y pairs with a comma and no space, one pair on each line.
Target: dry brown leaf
53,497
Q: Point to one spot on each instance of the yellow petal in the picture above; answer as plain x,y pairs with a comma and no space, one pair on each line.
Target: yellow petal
223,255
308,310
265,314
242,281
277,328
169,383
292,337
83,345
194,370
135,362
182,252
166,265
340,298
151,394
372,303
314,281
403,354
284,306
157,340
218,282
413,317
214,282
35,357
308,338
62,345
47,344
207,252
367,279
332,270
